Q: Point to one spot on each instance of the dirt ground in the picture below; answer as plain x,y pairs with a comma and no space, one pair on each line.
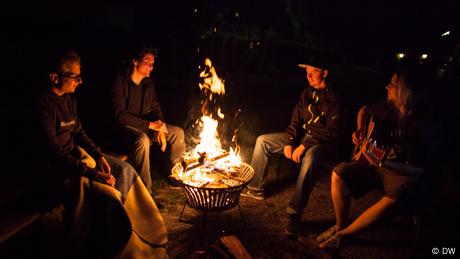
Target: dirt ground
262,230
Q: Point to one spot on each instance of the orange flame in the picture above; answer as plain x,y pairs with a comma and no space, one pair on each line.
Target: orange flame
209,138
211,80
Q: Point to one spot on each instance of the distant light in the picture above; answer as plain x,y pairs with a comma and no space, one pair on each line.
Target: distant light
198,50
424,56
195,11
237,14
400,55
214,29
447,33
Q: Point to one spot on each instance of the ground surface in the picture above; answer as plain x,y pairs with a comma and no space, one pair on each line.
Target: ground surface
262,231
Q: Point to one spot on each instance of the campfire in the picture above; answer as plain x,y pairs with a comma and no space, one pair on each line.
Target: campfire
208,164
211,177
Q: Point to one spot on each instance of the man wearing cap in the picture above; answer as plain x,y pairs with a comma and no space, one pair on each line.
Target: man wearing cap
309,140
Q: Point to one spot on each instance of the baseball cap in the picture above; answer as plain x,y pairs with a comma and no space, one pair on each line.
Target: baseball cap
315,60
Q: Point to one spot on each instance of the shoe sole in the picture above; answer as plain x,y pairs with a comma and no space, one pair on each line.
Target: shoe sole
325,235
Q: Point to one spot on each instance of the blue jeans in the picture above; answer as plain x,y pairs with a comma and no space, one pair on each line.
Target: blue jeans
57,183
138,144
312,161
124,174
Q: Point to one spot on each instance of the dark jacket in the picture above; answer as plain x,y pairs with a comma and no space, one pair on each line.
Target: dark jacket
315,118
135,105
60,131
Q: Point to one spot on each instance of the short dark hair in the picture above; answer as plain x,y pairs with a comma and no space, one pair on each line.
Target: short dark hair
138,54
64,58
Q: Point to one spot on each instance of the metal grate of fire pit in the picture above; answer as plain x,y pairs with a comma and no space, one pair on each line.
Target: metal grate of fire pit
216,199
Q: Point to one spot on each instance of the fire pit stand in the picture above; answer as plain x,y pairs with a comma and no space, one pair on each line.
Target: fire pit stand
215,199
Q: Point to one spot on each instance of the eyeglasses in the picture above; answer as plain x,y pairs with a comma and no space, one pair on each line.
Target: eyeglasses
77,78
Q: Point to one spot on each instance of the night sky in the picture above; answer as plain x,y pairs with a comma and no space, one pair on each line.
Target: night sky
363,31
241,37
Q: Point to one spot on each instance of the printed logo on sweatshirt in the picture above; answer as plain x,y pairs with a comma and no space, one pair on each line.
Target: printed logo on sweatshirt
67,123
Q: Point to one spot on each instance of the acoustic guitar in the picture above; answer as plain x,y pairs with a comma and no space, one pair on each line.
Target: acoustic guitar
369,150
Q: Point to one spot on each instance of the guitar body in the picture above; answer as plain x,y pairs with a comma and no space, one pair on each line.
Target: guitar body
369,150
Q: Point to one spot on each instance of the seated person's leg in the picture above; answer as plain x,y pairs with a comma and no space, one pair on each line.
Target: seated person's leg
312,166
137,144
124,174
349,179
176,141
266,145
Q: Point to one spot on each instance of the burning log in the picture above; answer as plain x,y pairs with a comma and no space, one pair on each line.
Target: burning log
197,162
227,175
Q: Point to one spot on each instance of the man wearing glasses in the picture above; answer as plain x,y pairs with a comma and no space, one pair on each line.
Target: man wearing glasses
92,184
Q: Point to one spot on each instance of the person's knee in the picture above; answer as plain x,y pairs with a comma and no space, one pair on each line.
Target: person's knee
142,142
176,134
389,201
336,180
316,152
262,141
128,167
313,155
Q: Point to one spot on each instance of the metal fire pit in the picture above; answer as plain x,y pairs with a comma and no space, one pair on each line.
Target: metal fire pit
208,199
216,199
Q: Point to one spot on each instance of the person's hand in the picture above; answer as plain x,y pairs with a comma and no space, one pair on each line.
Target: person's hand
298,152
161,138
357,136
104,166
105,178
159,126
288,151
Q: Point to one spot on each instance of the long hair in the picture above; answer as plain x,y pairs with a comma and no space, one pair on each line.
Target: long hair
411,85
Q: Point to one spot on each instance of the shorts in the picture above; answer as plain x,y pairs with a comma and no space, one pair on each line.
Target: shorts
362,178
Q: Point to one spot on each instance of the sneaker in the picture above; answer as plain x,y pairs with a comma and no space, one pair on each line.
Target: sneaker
327,234
293,226
333,243
253,194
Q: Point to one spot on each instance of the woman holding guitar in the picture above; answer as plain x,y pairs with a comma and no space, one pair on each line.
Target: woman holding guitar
391,143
